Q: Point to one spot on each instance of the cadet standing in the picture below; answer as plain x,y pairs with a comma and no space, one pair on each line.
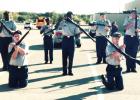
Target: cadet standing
6,38
18,71
102,27
131,40
48,41
114,76
68,43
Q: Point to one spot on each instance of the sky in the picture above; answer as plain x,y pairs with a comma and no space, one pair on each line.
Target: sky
62,6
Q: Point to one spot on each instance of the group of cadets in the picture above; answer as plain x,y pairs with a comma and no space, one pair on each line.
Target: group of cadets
17,66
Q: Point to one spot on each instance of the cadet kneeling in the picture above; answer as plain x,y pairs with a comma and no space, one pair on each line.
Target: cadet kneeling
18,71
113,57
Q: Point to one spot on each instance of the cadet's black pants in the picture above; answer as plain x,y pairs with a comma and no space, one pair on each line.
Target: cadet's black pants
48,47
101,44
114,77
18,77
4,43
68,48
132,44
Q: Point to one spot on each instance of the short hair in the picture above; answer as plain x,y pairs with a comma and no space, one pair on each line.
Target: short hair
6,13
17,32
69,13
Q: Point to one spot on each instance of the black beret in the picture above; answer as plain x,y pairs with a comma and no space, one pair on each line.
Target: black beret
17,32
102,14
116,34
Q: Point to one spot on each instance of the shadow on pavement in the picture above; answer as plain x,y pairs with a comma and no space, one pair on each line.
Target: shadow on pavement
69,84
97,90
44,78
36,47
40,47
59,69
5,87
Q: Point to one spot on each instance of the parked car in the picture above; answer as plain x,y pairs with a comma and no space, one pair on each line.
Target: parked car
27,25
58,36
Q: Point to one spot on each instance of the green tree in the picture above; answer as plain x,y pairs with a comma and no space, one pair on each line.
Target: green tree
20,19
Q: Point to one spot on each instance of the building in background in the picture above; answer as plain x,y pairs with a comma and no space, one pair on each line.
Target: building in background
133,4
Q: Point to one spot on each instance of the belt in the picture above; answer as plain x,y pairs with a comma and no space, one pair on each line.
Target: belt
68,36
117,66
17,66
131,35
48,35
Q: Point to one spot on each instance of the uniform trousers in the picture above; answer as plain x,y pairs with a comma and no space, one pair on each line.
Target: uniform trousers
18,77
114,77
101,44
131,49
48,48
68,49
4,43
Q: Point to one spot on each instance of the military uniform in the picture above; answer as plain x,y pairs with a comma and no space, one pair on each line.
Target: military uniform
5,39
48,43
101,42
132,42
18,71
113,70
68,45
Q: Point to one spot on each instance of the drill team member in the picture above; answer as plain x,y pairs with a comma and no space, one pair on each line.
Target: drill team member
102,27
48,41
6,38
68,43
114,77
131,40
18,71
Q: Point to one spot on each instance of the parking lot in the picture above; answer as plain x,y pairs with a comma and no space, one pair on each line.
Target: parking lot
47,83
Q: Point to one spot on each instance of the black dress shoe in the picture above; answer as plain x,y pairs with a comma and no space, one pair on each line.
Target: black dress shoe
98,62
64,74
133,70
46,62
5,69
103,79
71,74
127,71
104,61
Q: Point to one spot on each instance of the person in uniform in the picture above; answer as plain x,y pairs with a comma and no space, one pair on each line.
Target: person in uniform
48,41
68,43
18,71
102,28
131,40
113,70
6,38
